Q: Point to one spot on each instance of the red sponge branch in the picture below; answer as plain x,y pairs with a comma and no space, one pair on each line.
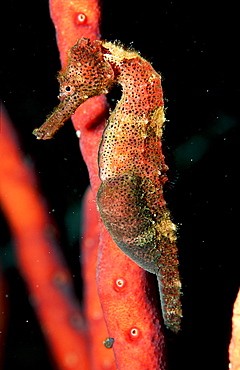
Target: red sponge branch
101,356
73,20
234,348
40,261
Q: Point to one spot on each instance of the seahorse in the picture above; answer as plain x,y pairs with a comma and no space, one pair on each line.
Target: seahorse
132,169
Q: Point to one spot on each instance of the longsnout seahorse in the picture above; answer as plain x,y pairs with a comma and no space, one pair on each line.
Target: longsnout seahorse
131,164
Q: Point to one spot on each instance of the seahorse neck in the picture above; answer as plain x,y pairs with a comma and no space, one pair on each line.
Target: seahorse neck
141,85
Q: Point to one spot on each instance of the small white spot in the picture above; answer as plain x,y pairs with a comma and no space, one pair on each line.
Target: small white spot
81,17
119,283
78,133
134,332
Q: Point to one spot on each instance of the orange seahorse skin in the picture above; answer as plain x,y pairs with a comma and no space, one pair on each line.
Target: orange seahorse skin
131,164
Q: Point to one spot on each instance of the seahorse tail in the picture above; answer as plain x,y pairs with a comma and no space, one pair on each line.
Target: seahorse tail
169,285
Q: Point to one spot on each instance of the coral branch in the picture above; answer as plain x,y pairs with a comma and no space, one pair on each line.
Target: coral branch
101,357
3,313
72,20
129,304
234,348
41,264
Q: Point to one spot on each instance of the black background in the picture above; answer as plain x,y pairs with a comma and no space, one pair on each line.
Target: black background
195,46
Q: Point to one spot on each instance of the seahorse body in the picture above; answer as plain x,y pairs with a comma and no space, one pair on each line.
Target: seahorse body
133,172
131,164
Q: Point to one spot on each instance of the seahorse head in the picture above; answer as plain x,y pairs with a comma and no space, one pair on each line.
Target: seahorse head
87,74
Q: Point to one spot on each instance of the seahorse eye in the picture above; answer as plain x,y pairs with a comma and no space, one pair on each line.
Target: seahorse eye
68,90
65,91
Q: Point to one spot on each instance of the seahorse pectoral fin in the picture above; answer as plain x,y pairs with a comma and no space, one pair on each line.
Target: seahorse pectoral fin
57,118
